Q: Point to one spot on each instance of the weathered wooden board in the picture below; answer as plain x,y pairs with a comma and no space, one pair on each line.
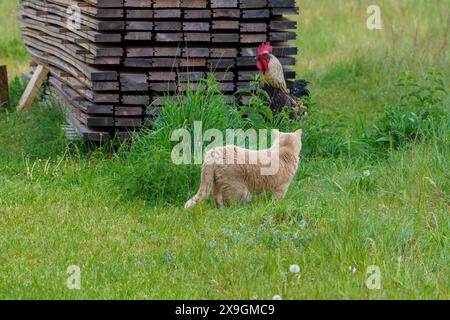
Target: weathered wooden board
4,98
32,89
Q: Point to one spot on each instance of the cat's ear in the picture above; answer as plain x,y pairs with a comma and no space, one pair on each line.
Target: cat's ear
299,132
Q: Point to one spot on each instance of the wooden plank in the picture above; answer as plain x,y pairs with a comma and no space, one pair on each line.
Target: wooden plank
128,122
282,3
139,25
223,53
167,13
134,81
195,3
139,14
281,36
197,14
225,37
197,37
166,3
283,24
226,13
255,14
284,11
136,99
196,26
4,98
225,25
139,36
32,89
224,3
279,49
253,38
128,111
195,52
168,26
84,132
106,3
191,76
252,4
162,76
248,27
137,4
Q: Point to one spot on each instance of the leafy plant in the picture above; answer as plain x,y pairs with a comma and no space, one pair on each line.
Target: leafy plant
419,111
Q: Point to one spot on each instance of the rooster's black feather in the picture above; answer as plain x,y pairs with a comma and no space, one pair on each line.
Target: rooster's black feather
279,100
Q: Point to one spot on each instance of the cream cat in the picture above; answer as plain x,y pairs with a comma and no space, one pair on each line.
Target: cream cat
232,173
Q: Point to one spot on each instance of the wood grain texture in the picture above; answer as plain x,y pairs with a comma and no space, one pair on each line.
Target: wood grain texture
4,99
32,89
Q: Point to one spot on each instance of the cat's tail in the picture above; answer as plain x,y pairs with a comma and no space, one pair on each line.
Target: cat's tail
206,186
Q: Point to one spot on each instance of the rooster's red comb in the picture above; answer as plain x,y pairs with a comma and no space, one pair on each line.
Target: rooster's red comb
265,46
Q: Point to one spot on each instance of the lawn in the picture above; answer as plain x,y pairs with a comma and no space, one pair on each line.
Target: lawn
372,188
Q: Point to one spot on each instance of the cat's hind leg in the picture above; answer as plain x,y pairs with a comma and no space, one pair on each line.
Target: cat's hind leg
218,197
236,193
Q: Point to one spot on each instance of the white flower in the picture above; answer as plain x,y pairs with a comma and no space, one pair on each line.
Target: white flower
276,297
212,243
352,269
366,173
303,224
294,268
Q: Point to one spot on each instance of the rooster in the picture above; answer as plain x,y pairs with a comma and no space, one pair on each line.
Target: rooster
272,74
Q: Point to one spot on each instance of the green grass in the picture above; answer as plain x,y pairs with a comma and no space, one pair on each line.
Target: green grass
12,51
119,216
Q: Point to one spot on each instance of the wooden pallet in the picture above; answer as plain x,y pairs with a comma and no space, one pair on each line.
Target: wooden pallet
124,55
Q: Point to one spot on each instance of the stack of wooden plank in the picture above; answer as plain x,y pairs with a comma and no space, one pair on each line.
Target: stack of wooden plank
111,60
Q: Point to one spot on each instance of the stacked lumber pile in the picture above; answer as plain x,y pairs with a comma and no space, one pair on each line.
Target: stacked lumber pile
111,60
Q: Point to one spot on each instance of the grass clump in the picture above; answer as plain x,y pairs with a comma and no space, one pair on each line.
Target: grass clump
146,168
421,113
13,48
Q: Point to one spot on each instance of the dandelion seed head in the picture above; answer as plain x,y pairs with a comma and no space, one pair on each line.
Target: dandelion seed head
294,268
276,297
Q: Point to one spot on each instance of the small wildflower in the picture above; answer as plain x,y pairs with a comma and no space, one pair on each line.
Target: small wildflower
212,243
276,297
294,268
366,173
303,224
352,269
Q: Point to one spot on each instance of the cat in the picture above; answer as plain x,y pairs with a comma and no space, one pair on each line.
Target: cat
232,173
